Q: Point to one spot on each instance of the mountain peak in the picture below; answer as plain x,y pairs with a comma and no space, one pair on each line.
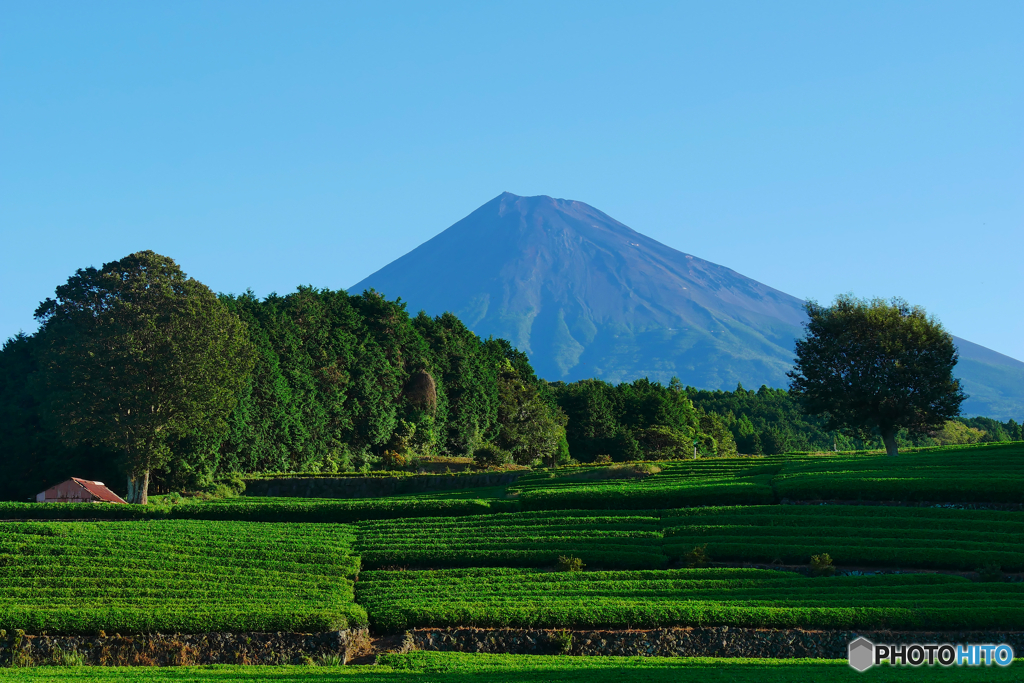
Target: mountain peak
586,296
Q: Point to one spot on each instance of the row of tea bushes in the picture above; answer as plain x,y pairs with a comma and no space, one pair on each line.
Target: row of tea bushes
176,576
530,539
525,598
883,536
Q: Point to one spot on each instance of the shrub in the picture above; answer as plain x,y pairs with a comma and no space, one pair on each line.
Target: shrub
603,460
563,641
490,455
698,557
821,565
632,471
569,563
393,460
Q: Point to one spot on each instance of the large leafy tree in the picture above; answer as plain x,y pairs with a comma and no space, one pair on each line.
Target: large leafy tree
136,355
531,429
876,367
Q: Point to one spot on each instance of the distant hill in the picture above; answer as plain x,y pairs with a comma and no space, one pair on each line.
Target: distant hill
586,296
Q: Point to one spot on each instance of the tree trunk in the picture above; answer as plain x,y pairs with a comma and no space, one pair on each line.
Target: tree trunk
138,488
889,439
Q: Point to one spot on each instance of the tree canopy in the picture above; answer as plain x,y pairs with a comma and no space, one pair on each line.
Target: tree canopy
135,355
876,367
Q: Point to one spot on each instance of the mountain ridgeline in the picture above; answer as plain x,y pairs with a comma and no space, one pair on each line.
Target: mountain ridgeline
588,297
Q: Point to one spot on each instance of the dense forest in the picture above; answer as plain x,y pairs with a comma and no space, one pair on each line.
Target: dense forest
342,383
646,420
339,383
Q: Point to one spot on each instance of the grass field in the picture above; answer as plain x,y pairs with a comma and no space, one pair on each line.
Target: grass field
431,667
176,576
527,598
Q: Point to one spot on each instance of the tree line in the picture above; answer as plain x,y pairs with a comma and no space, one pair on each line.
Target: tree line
139,371
141,374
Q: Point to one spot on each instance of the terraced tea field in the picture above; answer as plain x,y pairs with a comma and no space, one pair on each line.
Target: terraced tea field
487,558
894,537
530,598
697,482
176,576
525,539
988,474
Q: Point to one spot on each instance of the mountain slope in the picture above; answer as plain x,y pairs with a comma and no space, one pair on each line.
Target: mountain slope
586,296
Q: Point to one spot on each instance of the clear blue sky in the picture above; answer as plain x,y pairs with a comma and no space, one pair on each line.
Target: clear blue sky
875,148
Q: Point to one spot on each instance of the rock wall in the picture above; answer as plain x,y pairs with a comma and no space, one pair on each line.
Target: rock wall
716,641
157,649
373,487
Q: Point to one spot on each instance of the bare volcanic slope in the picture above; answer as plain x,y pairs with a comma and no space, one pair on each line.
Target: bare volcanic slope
586,296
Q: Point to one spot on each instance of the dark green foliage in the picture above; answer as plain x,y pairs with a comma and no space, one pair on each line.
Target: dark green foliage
876,367
135,357
639,420
531,428
337,381
770,421
32,458
489,455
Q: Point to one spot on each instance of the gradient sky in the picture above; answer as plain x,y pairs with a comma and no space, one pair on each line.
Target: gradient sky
873,148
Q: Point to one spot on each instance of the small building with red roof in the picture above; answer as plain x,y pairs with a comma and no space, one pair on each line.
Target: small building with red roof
76,490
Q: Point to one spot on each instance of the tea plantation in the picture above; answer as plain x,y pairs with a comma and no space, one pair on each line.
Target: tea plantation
700,543
176,576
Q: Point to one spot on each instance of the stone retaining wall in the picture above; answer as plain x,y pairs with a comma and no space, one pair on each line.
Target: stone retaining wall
159,649
373,487
716,641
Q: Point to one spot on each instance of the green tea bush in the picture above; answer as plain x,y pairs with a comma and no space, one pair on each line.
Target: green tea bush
568,563
489,455
821,565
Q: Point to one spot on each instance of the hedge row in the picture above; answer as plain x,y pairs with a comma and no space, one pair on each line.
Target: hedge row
256,509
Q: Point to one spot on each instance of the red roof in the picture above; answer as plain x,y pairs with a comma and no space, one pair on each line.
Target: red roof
98,490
